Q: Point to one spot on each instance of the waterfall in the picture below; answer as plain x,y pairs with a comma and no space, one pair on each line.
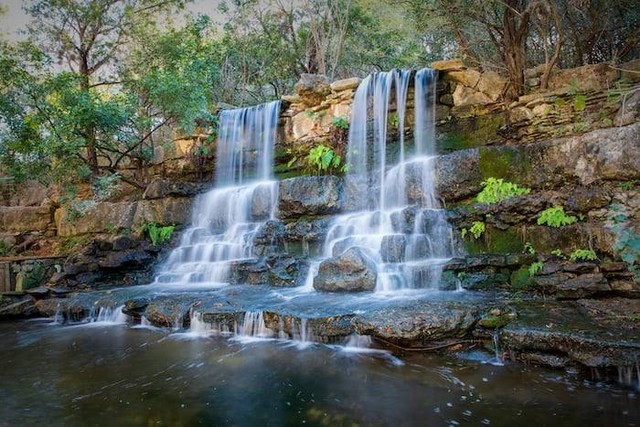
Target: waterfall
390,184
244,197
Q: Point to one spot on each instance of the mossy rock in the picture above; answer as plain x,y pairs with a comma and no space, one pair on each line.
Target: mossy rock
470,132
495,241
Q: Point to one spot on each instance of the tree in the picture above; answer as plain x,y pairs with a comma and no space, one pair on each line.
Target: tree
87,37
165,82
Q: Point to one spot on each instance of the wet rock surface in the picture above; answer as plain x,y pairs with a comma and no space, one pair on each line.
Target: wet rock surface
351,271
310,195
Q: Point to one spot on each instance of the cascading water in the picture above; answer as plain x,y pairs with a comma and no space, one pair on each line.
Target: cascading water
244,197
391,183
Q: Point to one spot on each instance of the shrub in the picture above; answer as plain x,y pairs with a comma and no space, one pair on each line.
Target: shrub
555,217
496,189
340,122
477,229
535,268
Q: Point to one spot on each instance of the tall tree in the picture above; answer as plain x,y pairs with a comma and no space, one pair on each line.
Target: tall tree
88,36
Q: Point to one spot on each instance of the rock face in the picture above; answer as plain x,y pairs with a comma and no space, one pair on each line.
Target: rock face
352,271
312,89
310,195
25,219
106,217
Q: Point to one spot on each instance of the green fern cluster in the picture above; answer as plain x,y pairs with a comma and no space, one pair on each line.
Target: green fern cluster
555,217
159,234
496,189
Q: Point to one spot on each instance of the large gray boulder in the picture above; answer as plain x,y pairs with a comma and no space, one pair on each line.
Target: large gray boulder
352,271
310,195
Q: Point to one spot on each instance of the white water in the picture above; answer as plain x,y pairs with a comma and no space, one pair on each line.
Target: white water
399,220
108,316
226,219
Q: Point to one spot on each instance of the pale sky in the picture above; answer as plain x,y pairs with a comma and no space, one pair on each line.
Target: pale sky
14,19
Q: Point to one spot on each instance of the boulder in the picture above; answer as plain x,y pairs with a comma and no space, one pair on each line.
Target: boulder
352,271
345,84
464,96
468,78
270,238
309,195
166,211
101,218
20,219
584,286
312,89
159,188
491,84
419,324
448,65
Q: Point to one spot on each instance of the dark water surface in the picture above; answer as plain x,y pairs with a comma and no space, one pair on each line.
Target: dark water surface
118,375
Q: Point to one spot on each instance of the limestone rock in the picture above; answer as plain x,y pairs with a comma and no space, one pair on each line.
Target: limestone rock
591,77
448,65
159,188
352,271
166,211
464,96
492,84
469,78
302,124
312,89
345,84
309,195
20,219
102,218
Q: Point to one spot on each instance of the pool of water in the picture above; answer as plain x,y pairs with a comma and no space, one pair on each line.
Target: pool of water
118,375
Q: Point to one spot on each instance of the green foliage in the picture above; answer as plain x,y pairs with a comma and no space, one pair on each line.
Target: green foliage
496,189
583,255
158,234
535,268
340,122
579,103
558,253
477,229
323,160
555,217
528,248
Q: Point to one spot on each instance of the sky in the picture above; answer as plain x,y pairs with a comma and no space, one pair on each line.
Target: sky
14,19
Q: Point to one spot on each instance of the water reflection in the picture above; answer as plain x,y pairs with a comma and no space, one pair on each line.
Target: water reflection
123,376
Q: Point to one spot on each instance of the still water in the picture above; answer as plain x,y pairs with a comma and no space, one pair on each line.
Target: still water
116,375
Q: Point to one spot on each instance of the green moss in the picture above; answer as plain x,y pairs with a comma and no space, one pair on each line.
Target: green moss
503,162
521,278
496,242
470,132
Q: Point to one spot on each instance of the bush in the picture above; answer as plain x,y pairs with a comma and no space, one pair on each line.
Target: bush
496,189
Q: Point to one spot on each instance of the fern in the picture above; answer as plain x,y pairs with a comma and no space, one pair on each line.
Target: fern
583,255
555,217
496,189
157,234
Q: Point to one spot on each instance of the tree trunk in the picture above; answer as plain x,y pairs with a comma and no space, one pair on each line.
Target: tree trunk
90,131
515,30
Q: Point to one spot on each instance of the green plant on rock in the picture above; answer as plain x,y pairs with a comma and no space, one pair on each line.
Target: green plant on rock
579,103
477,229
558,254
496,189
529,249
555,217
158,234
340,122
583,255
535,268
322,159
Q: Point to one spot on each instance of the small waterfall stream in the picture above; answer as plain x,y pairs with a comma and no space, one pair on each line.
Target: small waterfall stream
399,221
243,198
